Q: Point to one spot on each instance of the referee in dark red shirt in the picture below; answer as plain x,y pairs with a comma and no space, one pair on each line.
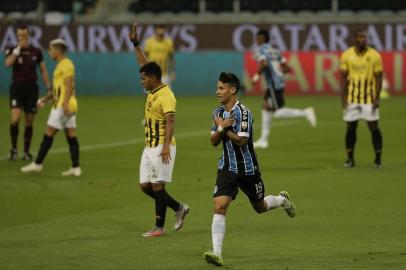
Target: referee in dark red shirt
24,59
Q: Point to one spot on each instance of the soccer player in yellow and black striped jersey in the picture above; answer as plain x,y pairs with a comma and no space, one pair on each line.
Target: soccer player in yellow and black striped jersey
158,157
159,49
63,112
361,70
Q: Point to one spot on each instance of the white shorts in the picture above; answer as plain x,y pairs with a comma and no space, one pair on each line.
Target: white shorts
152,169
355,112
57,119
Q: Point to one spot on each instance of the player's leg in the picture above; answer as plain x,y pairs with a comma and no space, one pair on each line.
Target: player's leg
285,112
15,114
46,144
30,109
266,120
377,142
71,138
225,191
218,229
350,140
28,132
351,115
254,188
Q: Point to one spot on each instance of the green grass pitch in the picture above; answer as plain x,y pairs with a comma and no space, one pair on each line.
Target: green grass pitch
346,218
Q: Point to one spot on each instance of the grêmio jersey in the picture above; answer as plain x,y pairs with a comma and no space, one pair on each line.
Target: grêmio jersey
237,159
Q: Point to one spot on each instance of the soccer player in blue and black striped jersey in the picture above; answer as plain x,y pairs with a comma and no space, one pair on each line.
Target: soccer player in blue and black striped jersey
273,66
238,165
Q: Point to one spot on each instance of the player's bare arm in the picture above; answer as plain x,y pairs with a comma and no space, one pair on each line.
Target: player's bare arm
378,78
261,67
344,88
139,54
69,93
44,75
10,59
170,127
238,140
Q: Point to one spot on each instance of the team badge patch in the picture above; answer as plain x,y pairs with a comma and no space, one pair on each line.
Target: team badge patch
244,125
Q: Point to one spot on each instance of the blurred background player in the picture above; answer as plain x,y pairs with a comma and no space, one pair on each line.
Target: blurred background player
158,157
361,72
238,166
64,109
24,58
273,66
159,49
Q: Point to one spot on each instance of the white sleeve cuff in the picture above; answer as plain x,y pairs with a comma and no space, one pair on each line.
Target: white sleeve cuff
243,134
212,132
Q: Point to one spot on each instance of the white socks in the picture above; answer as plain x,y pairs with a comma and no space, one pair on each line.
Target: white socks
289,113
273,202
266,125
218,229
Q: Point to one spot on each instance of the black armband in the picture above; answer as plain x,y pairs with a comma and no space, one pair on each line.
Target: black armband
136,43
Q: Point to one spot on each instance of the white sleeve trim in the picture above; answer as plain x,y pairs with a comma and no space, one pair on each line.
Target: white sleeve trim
261,57
243,134
212,132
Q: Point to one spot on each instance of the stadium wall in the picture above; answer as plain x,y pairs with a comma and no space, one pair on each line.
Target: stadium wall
117,73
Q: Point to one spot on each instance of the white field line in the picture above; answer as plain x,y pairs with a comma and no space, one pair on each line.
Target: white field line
137,141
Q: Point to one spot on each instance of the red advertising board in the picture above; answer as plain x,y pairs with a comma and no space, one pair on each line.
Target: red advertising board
318,73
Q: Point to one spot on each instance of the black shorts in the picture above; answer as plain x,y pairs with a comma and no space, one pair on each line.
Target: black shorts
24,96
277,99
227,184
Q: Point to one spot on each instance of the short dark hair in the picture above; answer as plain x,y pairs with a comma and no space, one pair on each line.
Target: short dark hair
231,79
23,26
359,30
152,68
264,33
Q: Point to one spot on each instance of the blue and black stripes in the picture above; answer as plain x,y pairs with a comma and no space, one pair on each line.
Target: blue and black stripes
238,159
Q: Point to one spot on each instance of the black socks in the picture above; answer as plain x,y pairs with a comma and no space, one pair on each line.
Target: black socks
160,207
351,138
14,135
162,200
74,150
377,142
27,138
45,145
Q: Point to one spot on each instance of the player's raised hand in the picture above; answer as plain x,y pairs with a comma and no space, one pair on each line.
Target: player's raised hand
133,34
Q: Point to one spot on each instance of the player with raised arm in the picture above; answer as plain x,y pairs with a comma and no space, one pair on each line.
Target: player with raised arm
238,167
272,65
158,157
159,49
64,110
24,58
361,72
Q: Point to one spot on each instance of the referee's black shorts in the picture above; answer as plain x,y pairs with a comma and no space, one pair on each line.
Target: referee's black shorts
24,95
277,98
